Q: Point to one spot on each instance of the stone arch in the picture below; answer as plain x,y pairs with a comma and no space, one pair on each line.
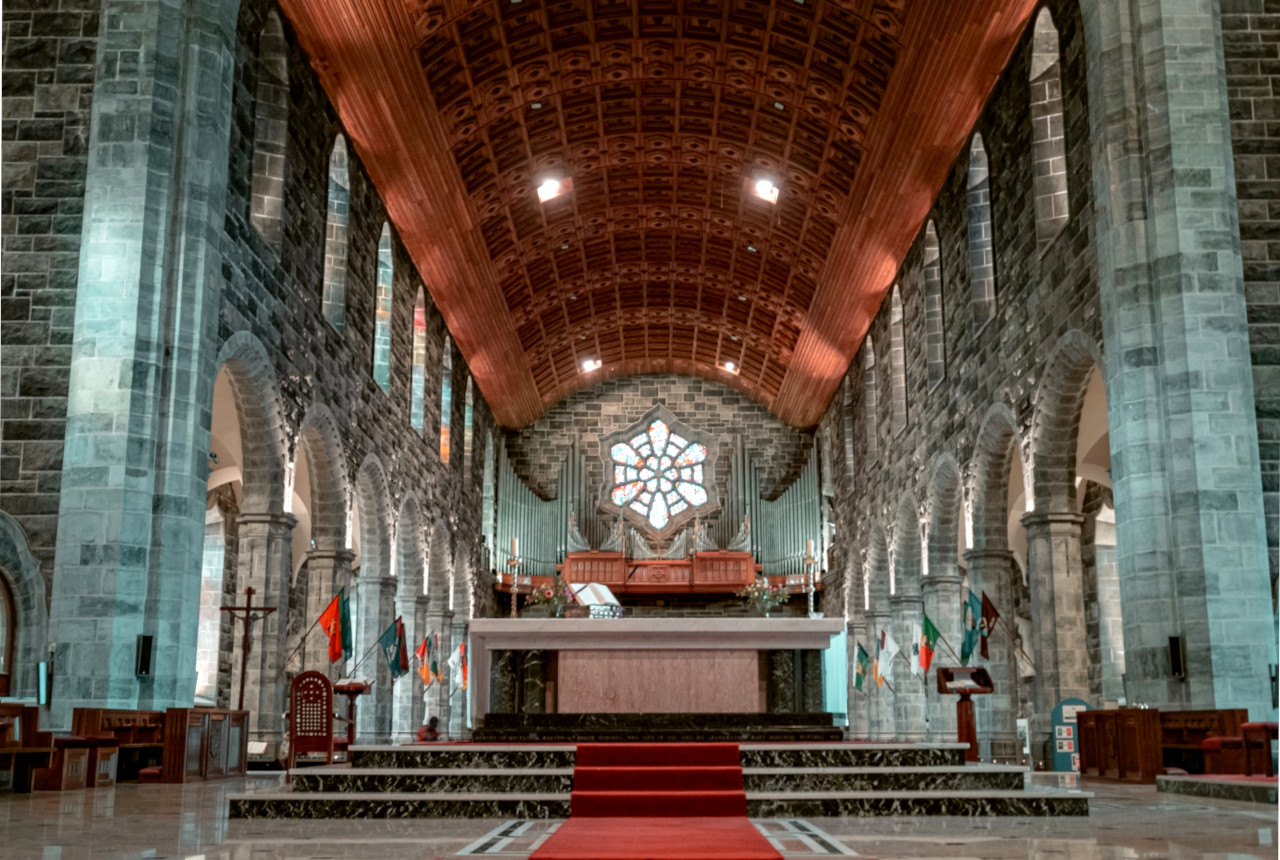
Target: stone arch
375,518
439,567
320,441
337,221
897,363
410,551
270,133
252,378
994,448
906,547
1056,422
982,272
934,332
462,601
870,408
22,574
945,502
848,423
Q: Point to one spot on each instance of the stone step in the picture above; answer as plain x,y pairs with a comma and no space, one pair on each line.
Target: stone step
673,727
551,780
464,755
851,755
783,804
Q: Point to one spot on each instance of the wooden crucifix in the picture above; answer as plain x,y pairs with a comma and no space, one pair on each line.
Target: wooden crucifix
251,614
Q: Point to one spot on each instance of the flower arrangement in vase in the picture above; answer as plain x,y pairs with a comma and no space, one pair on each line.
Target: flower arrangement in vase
556,596
762,597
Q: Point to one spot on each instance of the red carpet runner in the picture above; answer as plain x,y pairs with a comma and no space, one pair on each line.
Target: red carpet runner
657,802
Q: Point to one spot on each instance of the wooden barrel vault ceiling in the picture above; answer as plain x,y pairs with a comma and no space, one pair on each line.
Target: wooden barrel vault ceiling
658,118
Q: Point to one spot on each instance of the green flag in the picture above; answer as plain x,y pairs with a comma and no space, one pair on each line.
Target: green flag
392,645
971,610
344,615
929,637
864,663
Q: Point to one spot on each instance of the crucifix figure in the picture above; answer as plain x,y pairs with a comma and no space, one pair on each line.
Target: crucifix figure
251,614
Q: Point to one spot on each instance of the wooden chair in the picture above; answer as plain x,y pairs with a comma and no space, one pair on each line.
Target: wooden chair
1257,738
310,717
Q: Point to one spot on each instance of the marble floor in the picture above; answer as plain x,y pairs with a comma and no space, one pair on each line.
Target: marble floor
149,822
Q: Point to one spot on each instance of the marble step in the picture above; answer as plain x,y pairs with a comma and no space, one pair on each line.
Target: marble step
794,804
754,755
693,734
482,780
848,804
550,780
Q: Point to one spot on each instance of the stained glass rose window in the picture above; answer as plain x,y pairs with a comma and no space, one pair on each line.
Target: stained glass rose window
658,474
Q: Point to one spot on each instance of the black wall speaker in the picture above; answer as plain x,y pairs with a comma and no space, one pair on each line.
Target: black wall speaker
1178,657
143,666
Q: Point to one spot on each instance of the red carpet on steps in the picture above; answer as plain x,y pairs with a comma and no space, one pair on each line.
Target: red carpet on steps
657,802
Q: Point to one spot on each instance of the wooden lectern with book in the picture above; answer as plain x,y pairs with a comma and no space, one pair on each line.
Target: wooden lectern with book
965,681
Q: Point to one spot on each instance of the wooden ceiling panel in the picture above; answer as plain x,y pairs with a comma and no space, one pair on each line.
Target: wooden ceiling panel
658,116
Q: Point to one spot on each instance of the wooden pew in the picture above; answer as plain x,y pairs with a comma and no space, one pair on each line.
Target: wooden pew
205,743
140,733
1137,744
24,749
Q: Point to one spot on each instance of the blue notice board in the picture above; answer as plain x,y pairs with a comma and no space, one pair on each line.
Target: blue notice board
1065,741
835,678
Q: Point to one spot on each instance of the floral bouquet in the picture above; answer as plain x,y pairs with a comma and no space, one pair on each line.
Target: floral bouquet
763,597
556,595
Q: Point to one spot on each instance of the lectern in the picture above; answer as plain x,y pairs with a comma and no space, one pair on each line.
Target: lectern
965,681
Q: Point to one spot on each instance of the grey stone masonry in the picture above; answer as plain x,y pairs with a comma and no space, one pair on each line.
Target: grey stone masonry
134,467
1251,45
49,51
1190,533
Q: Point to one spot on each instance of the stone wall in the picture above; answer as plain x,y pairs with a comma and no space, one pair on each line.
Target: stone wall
48,92
778,450
1251,43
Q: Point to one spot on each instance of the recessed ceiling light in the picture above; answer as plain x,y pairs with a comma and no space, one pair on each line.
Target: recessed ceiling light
733,337
742,298
590,364
751,248
765,189
536,106
731,367
779,106
550,188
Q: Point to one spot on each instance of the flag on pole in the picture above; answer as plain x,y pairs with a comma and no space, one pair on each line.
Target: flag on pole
458,665
863,664
433,657
393,647
886,650
916,637
989,618
929,637
335,621
971,611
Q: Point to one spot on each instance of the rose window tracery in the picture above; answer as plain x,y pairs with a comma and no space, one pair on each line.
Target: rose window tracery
658,474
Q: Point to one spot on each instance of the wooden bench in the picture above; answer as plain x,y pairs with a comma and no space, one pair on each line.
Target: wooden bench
140,734
204,743
24,749
1138,744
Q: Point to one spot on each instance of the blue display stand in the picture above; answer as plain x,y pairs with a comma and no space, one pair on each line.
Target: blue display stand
1065,741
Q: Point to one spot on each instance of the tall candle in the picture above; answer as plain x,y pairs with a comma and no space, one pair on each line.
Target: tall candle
808,550
514,552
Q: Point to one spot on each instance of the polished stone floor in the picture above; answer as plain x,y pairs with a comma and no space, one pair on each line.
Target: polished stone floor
158,821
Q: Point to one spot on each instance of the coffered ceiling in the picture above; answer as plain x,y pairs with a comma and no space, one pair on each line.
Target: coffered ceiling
658,119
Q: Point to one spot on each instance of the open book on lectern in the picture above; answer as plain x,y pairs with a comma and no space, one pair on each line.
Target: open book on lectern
593,594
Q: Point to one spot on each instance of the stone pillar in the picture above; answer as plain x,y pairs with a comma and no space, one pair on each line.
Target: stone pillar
328,572
265,565
909,714
375,609
533,675
134,465
1109,616
1056,574
440,624
1190,533
990,571
502,681
458,701
881,707
781,693
407,695
941,597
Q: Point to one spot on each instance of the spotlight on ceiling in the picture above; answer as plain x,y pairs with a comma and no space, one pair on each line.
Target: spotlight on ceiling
731,367
590,364
765,189
551,188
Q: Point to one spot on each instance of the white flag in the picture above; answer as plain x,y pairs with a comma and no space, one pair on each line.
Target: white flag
916,633
888,650
455,666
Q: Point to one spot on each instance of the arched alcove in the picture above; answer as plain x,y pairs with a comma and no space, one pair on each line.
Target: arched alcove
870,408
270,133
982,267
446,398
934,322
1048,132
418,378
337,222
897,363
383,300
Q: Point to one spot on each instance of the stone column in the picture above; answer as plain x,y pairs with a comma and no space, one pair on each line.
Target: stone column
1056,574
458,701
1190,532
909,714
1106,613
406,699
134,466
328,571
266,566
375,609
990,571
941,596
440,623
881,707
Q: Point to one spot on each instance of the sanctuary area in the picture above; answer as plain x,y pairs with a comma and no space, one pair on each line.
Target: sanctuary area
639,428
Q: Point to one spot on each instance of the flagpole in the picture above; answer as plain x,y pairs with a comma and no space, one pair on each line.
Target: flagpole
1008,631
301,642
944,641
